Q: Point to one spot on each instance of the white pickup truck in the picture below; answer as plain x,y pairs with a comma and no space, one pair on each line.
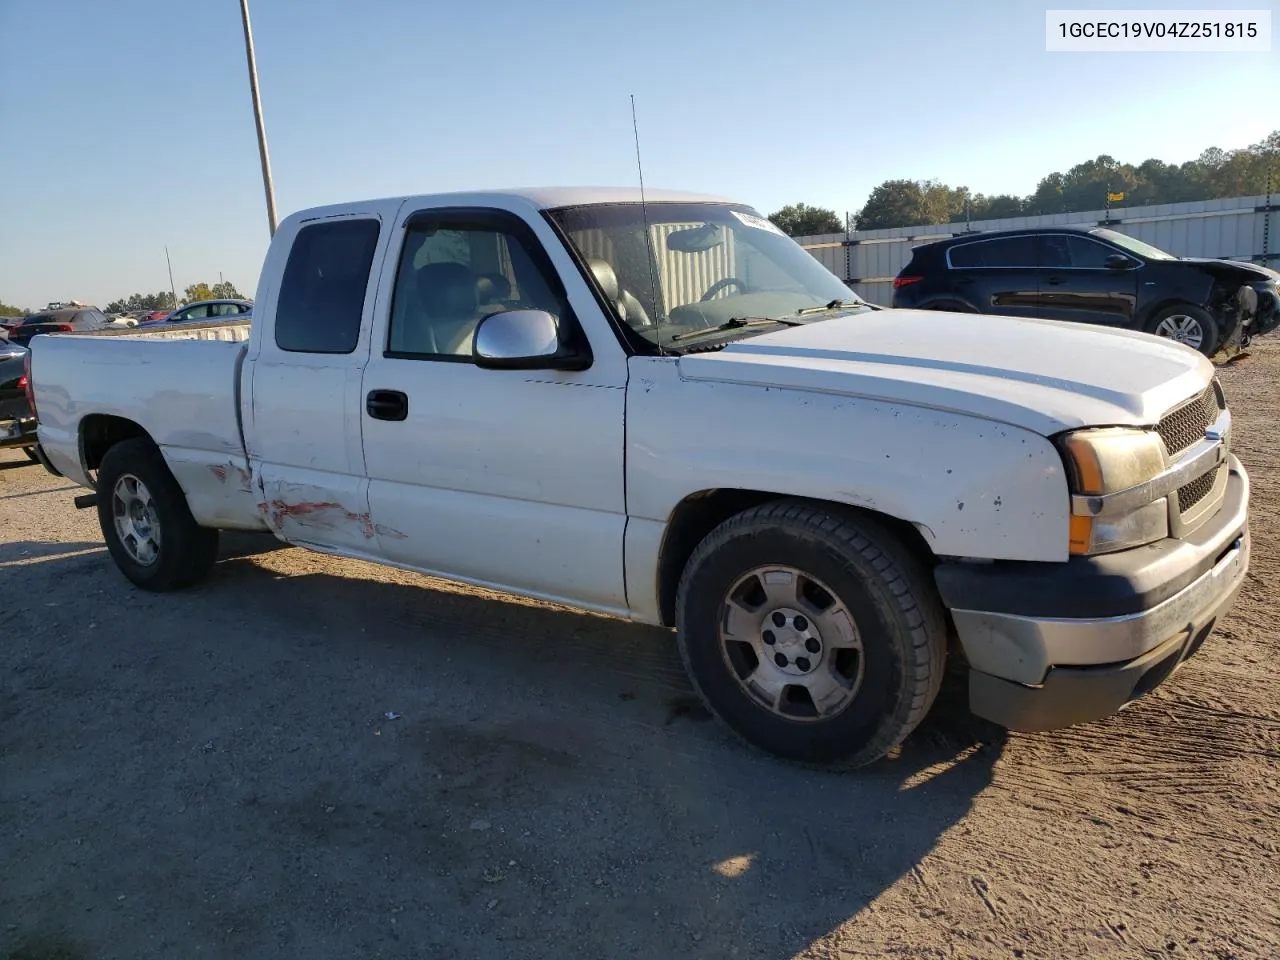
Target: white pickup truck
668,411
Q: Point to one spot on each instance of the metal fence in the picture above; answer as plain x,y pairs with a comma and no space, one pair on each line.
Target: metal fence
1235,228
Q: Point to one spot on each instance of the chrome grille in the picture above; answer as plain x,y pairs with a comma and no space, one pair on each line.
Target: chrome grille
1192,493
1186,425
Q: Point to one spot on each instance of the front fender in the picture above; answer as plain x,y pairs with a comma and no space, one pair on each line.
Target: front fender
973,487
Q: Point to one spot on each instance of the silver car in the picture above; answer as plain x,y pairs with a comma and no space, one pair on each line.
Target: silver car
206,311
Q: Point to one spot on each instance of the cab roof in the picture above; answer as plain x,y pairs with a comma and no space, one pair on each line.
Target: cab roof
541,198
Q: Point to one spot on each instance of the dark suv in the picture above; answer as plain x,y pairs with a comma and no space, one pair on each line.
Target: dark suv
1093,276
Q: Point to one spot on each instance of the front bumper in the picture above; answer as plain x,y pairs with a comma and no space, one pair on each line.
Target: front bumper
1267,316
1107,629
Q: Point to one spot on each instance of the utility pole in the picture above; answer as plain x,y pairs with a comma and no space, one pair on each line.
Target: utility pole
172,289
257,116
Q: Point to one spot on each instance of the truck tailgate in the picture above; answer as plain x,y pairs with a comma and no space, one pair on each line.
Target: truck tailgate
185,393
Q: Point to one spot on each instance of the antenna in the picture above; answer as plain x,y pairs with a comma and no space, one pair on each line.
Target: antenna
644,212
172,289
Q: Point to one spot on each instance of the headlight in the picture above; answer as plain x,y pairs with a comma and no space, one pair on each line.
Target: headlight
1107,461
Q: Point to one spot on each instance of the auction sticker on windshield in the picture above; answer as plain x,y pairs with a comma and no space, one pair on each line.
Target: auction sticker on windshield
760,223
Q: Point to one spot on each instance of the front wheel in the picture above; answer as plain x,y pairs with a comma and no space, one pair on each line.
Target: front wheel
811,633
146,522
1187,324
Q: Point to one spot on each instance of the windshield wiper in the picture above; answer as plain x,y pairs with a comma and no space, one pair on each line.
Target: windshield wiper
836,305
736,323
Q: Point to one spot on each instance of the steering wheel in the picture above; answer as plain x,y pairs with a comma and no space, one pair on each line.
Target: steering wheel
721,285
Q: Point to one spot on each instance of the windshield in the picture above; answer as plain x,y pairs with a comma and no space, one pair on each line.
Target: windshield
39,318
710,263
1125,242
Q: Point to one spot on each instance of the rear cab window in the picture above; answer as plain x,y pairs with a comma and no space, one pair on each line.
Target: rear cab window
323,288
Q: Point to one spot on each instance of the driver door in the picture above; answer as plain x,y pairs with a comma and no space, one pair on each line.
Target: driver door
1077,284
512,478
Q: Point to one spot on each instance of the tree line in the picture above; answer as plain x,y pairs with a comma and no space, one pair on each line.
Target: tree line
226,290
909,203
135,302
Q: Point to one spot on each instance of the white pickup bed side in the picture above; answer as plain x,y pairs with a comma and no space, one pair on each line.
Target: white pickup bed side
183,392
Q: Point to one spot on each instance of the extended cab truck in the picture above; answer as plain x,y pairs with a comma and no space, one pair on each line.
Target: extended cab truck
670,412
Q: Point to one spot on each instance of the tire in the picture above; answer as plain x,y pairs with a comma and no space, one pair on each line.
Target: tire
166,549
1203,333
886,687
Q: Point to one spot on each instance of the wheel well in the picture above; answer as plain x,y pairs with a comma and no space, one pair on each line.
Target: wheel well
700,513
99,432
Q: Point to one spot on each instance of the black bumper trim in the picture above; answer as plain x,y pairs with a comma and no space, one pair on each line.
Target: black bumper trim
1112,585
1071,695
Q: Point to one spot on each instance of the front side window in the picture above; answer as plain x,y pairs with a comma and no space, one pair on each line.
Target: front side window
672,269
1088,254
1125,242
458,268
322,292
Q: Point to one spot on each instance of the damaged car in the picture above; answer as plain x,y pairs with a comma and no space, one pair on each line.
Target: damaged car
1094,275
17,422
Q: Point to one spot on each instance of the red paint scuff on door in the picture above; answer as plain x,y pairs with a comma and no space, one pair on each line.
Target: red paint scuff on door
241,476
323,513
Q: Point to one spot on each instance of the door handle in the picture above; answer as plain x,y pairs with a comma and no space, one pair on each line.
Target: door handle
387,405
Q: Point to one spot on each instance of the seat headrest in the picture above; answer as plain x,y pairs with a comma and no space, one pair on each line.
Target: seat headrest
605,276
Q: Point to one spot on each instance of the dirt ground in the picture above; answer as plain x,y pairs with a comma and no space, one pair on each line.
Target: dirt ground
213,773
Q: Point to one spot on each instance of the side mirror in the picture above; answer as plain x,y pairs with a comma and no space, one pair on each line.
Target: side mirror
524,340
1118,261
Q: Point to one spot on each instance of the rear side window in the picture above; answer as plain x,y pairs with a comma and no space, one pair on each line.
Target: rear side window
322,292
966,255
1000,252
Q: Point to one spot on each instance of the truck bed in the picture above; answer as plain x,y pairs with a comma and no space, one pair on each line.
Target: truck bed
234,331
183,391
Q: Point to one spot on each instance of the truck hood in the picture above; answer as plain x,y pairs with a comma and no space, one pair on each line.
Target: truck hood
1042,375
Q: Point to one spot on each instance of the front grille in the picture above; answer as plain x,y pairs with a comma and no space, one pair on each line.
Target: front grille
1192,493
1187,424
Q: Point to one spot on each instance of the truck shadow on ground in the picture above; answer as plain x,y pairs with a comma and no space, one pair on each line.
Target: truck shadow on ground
463,776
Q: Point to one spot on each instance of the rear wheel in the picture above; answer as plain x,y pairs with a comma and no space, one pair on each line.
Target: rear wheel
1187,324
146,523
811,632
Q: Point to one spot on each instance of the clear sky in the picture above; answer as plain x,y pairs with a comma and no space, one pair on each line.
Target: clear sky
126,124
